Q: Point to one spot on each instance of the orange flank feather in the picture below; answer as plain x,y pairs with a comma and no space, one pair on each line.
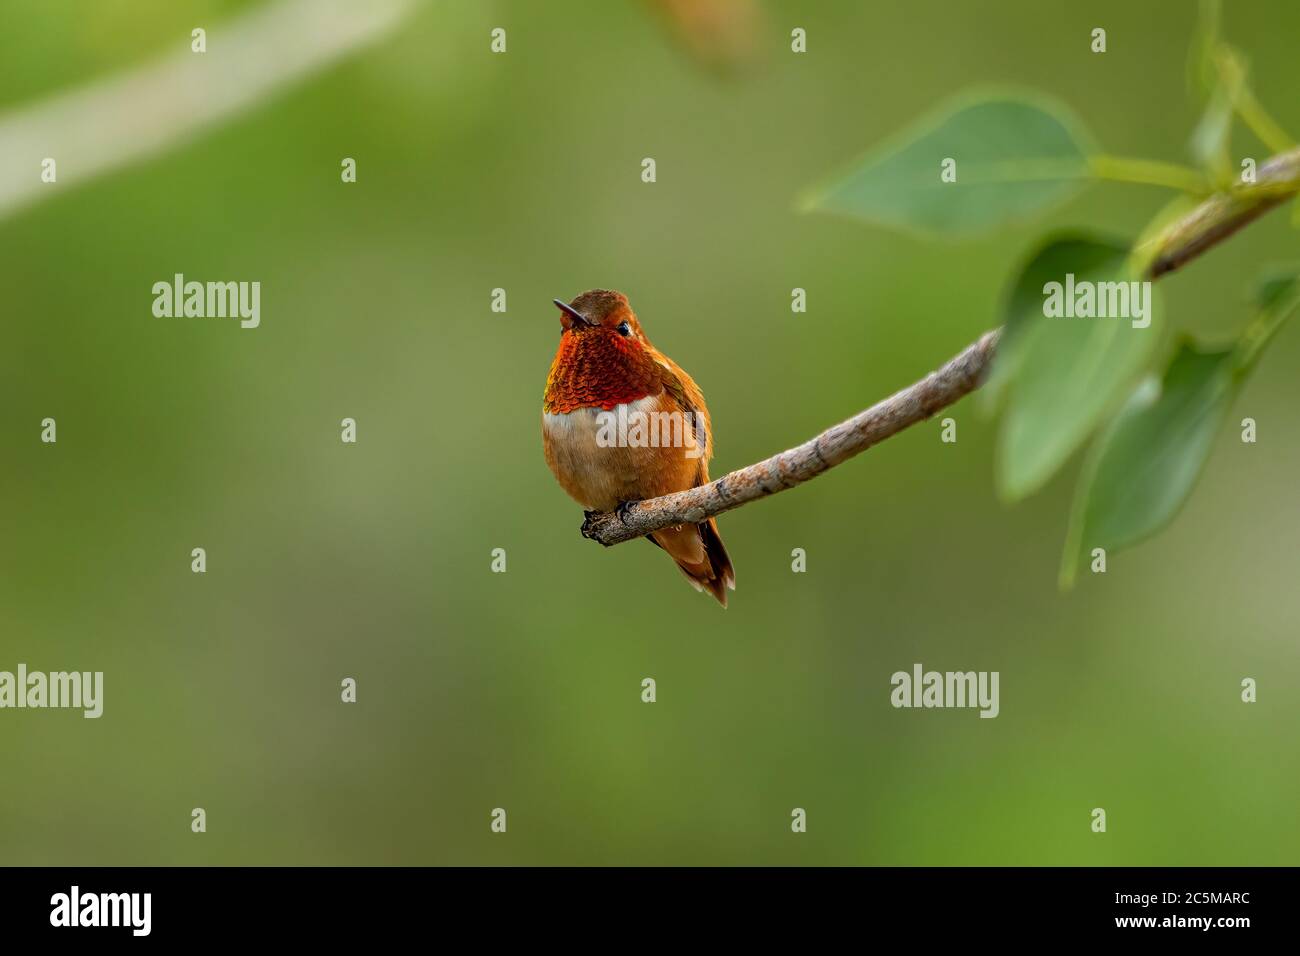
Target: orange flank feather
623,422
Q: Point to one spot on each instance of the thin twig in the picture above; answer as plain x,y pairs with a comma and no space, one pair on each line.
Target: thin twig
1214,220
937,390
1224,213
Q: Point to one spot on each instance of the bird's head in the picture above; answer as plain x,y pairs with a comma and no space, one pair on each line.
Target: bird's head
600,311
603,357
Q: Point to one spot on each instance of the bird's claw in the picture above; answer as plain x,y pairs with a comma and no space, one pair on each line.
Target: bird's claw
588,528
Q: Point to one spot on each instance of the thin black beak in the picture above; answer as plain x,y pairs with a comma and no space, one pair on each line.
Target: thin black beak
574,313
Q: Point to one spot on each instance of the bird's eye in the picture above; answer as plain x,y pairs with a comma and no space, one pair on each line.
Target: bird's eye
624,329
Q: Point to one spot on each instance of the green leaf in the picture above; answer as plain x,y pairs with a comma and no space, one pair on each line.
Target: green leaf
1067,372
1147,461
1015,156
1145,464
1024,301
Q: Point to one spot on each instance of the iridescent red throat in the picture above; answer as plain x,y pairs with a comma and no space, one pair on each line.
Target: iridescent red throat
598,368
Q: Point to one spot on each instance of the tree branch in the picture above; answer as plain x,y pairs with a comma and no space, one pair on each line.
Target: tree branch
1213,221
129,116
961,376
1224,213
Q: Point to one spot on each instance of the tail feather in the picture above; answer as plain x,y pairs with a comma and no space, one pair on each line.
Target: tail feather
701,556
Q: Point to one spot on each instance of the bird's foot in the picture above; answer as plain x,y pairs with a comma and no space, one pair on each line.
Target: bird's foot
621,510
588,528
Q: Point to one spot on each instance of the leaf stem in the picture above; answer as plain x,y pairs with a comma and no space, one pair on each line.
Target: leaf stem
1264,326
1148,172
1263,125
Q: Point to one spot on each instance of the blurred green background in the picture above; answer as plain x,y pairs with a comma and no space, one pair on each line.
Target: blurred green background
522,690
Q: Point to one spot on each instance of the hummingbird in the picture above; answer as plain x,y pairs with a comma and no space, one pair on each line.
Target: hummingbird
622,422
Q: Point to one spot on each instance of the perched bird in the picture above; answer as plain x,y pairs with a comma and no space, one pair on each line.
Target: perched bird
622,422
